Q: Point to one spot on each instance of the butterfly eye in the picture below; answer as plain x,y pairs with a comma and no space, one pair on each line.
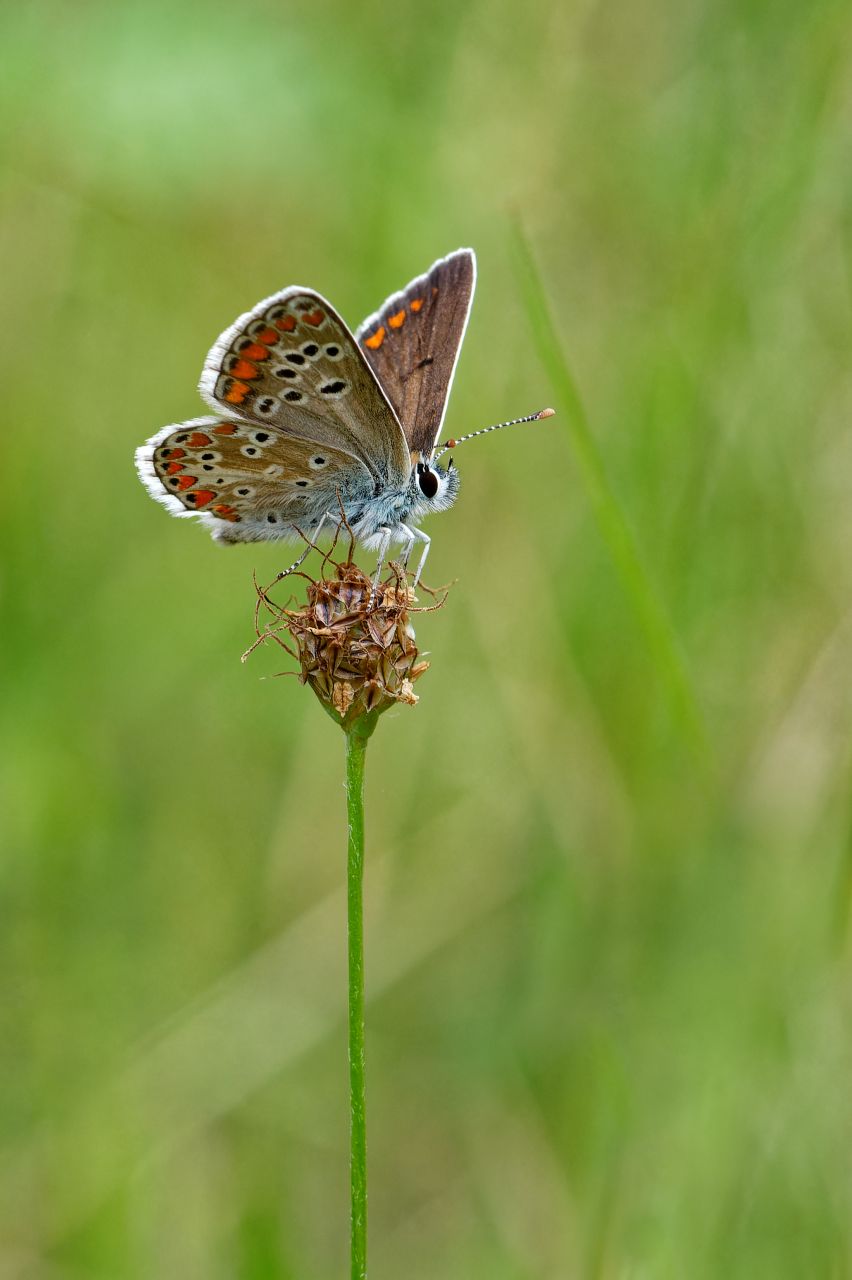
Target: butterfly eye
428,482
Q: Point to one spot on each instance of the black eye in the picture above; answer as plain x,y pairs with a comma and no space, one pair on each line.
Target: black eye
428,482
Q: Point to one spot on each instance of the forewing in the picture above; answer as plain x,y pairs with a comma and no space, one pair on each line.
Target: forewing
292,363
248,482
413,344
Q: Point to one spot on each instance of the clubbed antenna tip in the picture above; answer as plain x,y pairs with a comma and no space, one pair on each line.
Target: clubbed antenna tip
498,426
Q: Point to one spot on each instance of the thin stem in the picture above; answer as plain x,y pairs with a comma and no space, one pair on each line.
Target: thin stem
356,752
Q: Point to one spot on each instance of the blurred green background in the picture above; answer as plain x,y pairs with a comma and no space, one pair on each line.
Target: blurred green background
610,1017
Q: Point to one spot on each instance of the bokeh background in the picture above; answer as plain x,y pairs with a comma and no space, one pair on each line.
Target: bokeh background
609,864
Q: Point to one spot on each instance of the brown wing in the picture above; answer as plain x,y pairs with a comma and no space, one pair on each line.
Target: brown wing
248,483
292,363
413,344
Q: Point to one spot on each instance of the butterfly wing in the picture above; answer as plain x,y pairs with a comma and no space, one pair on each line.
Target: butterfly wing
413,344
249,483
292,363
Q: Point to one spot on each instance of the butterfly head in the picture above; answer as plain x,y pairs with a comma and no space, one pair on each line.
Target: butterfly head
435,488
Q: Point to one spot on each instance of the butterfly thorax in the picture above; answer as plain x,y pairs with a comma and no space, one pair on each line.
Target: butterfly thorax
430,488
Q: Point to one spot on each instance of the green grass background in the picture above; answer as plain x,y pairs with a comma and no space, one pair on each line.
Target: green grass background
609,863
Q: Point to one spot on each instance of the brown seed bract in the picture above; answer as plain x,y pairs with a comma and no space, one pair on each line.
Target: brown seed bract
359,656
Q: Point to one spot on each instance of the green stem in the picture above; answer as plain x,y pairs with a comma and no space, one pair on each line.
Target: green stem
356,752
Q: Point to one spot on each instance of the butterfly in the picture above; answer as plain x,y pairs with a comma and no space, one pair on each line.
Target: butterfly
314,423
316,426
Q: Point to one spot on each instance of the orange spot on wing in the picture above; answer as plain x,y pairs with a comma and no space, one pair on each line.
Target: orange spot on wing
200,497
315,318
416,304
397,321
174,453
286,323
237,392
186,482
226,512
174,467
224,429
254,351
376,339
198,439
245,369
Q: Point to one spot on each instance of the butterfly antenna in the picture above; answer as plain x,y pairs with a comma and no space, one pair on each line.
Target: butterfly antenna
483,431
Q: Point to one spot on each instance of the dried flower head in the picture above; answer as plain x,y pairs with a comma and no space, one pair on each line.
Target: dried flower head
355,646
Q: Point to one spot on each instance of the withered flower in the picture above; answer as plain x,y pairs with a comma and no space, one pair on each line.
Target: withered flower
355,645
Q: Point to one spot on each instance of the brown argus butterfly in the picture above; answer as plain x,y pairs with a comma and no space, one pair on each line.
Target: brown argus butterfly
315,424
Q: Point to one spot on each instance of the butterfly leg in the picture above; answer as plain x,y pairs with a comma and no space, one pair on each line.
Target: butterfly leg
409,537
427,543
386,533
307,551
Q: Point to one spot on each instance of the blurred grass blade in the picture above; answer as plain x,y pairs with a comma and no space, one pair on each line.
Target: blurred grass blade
611,518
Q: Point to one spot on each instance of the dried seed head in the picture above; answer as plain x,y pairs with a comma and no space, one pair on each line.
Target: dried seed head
356,651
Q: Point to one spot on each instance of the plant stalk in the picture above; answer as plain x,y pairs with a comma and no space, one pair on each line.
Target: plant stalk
356,752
